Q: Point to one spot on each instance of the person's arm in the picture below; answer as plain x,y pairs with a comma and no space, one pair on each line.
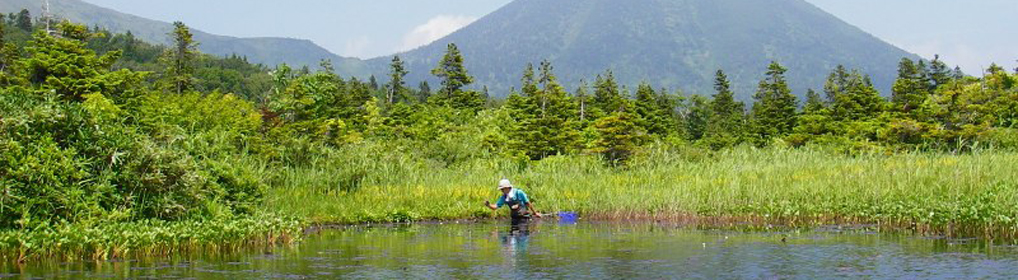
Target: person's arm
528,204
498,204
530,207
490,206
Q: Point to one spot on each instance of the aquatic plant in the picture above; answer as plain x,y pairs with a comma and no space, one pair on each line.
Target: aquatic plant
931,193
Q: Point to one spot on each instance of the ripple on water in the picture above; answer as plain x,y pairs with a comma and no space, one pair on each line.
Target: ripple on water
584,250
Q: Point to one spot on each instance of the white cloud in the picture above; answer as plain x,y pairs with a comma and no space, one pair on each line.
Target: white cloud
434,29
357,47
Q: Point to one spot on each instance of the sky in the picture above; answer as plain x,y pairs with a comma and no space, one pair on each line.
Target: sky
968,33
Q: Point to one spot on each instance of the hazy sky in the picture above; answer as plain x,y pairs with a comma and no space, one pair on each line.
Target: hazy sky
969,33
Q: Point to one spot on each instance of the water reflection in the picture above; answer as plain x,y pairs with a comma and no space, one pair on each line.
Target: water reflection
551,250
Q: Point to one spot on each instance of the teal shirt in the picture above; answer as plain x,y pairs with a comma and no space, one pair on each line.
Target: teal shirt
520,198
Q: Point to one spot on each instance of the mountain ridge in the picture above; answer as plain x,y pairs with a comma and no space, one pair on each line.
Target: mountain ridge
270,51
677,44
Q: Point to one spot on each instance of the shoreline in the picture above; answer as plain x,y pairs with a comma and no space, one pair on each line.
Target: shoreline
291,231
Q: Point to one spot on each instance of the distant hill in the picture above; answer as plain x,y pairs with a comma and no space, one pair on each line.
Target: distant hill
671,43
268,51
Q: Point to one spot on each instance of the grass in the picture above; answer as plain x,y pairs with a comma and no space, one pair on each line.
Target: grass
146,238
973,195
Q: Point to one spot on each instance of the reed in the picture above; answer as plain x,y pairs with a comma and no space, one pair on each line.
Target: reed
152,238
972,195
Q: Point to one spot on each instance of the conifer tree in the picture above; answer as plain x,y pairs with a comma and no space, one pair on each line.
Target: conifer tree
65,66
814,103
911,88
773,113
24,20
546,115
397,85
618,137
373,83
724,121
697,117
423,92
607,97
852,95
939,72
180,59
837,83
454,78
583,101
452,72
650,110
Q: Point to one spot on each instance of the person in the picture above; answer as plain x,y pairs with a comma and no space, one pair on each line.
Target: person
520,207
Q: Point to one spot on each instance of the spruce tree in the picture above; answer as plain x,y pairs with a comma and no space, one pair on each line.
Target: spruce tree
397,85
618,137
454,78
939,72
423,92
697,117
546,115
724,117
910,89
650,111
24,20
837,83
607,97
451,71
853,96
814,103
773,113
583,101
180,60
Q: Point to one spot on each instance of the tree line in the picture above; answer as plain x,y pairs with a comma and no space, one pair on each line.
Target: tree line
97,126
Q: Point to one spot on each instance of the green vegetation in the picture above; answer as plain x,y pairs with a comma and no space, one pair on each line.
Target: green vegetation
931,193
147,238
102,132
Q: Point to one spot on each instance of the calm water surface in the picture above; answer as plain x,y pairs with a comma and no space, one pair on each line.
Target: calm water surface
578,251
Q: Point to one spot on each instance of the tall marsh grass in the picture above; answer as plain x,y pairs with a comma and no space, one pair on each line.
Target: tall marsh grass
957,195
151,238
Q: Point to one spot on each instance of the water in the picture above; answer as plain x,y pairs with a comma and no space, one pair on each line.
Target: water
579,251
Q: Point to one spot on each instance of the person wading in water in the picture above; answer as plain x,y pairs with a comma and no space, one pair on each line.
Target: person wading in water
520,207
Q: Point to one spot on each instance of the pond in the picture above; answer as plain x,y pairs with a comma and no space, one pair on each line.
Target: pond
571,251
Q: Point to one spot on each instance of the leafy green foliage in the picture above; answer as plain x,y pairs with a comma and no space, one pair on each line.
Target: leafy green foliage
89,133
454,77
180,60
774,113
547,117
82,142
725,116
618,137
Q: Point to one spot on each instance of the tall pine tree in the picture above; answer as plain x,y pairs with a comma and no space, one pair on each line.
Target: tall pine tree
179,61
547,115
607,96
651,111
911,88
773,113
852,96
454,78
725,118
397,85
24,20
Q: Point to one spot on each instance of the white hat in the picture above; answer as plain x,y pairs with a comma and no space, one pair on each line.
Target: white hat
504,184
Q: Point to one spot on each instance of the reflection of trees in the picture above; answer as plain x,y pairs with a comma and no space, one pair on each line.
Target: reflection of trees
615,251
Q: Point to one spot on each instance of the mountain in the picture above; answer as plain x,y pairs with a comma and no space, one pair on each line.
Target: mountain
670,43
268,51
